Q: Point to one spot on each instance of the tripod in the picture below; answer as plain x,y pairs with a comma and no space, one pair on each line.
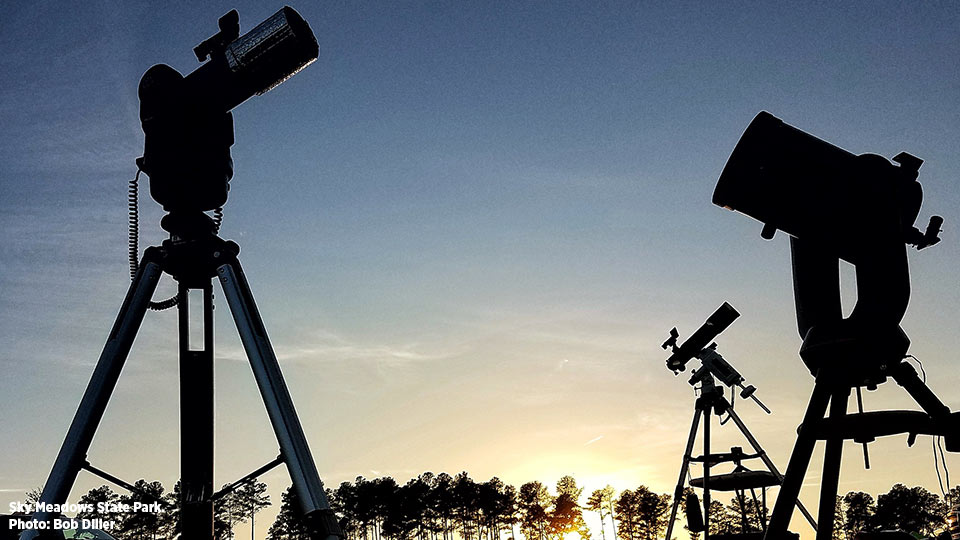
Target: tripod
712,401
843,357
193,256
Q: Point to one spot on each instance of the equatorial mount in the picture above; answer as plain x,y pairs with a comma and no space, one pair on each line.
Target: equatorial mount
712,364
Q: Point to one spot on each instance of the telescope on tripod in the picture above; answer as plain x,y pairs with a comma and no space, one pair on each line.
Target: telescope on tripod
835,206
711,400
188,131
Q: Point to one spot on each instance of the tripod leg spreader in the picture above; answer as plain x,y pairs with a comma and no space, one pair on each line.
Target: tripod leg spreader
73,451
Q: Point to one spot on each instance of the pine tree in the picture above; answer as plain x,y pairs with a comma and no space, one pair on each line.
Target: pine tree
289,524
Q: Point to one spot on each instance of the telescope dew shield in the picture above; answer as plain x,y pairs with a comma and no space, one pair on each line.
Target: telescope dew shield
716,323
792,181
256,62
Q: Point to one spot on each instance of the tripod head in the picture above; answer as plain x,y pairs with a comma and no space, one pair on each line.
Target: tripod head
713,365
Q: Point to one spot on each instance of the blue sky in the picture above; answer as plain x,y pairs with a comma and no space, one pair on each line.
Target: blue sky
468,226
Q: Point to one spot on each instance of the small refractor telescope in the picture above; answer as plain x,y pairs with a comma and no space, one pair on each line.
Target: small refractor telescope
700,346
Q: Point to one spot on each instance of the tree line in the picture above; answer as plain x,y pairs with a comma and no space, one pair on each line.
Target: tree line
444,507
914,510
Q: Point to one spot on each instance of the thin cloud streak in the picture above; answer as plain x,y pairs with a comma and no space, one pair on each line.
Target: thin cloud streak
331,348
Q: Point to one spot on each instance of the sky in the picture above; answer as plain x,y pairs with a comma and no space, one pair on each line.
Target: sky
468,226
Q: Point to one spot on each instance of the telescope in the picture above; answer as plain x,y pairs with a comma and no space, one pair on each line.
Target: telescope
792,181
716,323
188,129
834,205
712,364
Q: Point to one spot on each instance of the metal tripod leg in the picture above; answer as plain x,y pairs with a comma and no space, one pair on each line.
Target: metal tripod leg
799,461
706,472
276,399
73,451
832,454
678,493
196,417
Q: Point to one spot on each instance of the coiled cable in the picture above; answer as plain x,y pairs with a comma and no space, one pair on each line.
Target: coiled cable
133,235
133,238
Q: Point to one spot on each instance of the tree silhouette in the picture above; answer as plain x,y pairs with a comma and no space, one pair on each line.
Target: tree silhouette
365,507
608,494
838,519
626,510
434,507
642,514
289,524
384,493
33,496
858,510
914,510
403,516
509,512
566,515
466,496
532,503
497,507
440,501
170,518
744,513
94,497
428,526
242,503
343,501
597,502
720,521
141,525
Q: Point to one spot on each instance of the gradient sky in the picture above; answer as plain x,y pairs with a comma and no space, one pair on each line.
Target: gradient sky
468,226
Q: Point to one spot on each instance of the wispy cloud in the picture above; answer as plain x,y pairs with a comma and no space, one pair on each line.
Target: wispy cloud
593,440
327,346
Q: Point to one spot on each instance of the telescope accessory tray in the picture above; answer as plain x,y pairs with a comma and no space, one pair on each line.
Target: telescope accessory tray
738,481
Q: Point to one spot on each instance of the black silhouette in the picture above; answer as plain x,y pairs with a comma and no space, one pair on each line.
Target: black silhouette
188,133
837,205
711,400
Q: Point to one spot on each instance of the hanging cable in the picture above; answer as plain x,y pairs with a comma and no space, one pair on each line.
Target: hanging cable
920,364
217,219
936,464
939,457
133,224
946,471
133,237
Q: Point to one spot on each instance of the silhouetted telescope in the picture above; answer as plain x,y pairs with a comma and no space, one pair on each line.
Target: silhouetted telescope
859,208
194,110
834,205
811,189
716,323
